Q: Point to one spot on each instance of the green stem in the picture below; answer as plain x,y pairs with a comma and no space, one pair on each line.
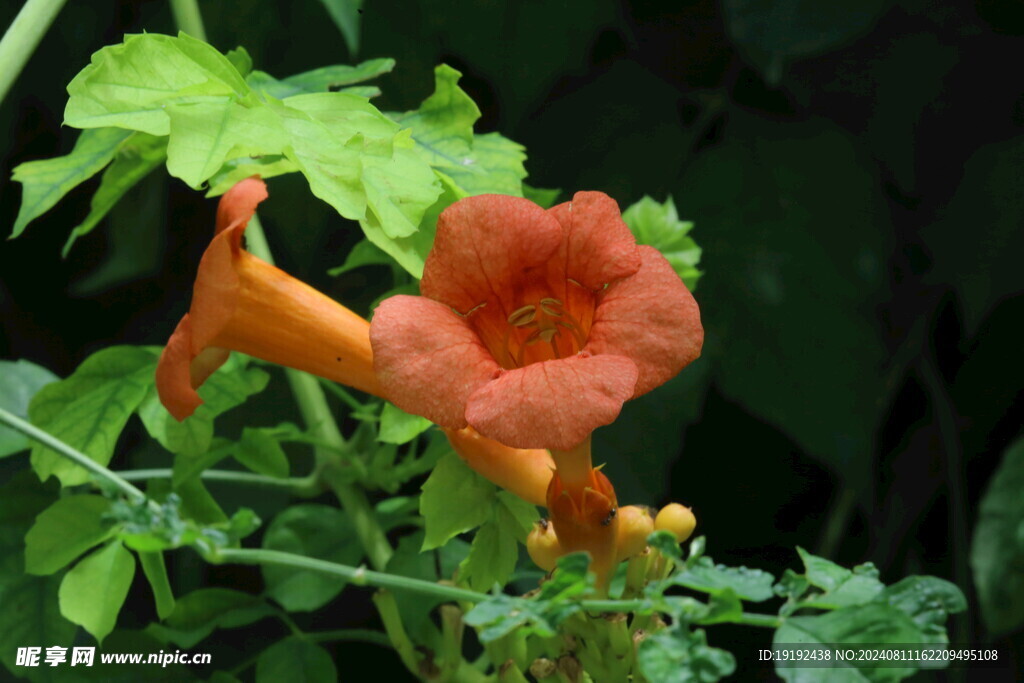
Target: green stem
367,577
188,18
320,421
357,575
387,607
73,454
341,393
297,485
22,37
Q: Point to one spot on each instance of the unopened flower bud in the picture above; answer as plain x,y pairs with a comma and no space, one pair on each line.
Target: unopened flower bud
543,668
543,545
635,525
676,518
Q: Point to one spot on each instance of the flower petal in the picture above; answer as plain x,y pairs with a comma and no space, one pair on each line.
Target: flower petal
552,404
598,246
238,204
179,372
651,318
484,245
428,359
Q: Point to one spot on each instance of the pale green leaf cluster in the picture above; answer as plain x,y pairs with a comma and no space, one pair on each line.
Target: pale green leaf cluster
352,155
658,225
218,127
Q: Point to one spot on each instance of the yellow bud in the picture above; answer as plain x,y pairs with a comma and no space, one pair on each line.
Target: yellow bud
543,545
635,525
676,518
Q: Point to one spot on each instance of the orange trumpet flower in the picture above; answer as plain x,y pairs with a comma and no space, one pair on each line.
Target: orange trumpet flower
243,303
534,326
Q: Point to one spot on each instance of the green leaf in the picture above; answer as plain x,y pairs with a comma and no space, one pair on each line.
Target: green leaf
46,181
791,246
197,503
126,85
32,616
345,15
327,78
89,409
984,269
928,601
541,614
136,157
310,530
997,550
156,573
364,253
235,170
64,531
443,130
22,380
678,655
30,611
398,426
659,226
241,60
295,659
543,197
495,550
225,389
842,587
455,499
198,613
261,452
872,624
435,565
704,575
666,543
411,252
773,32
92,593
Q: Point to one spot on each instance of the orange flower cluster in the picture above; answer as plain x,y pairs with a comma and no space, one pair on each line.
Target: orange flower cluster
534,327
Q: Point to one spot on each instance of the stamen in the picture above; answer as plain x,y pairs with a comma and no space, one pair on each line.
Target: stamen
523,316
551,306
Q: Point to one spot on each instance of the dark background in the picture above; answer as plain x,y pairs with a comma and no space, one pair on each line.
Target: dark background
854,170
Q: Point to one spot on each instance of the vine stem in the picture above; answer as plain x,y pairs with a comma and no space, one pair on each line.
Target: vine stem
80,458
22,37
297,485
316,413
188,18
